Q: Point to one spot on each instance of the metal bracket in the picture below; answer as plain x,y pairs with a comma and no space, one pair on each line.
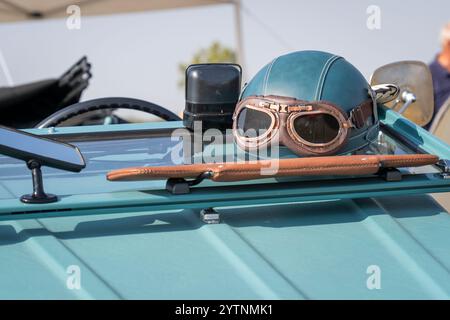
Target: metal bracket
38,195
390,174
182,186
408,98
444,165
210,216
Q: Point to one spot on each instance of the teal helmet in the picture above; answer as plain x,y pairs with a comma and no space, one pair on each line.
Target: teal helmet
319,76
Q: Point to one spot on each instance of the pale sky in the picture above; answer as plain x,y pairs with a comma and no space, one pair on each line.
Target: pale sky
136,55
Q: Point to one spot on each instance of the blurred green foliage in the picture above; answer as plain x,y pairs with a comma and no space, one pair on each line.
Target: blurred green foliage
215,53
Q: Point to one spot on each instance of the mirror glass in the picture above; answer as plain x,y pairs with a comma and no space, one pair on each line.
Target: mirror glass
25,146
415,100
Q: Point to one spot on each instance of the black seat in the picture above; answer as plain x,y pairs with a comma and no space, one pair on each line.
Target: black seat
24,106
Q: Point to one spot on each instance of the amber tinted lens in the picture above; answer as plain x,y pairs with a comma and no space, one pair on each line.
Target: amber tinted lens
317,128
253,123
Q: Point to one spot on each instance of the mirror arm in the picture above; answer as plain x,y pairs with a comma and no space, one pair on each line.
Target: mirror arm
409,98
397,101
38,195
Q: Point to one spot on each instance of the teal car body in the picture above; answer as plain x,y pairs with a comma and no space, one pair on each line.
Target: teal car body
289,239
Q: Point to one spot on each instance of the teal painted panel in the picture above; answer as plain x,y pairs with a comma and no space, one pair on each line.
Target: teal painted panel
291,251
36,268
5,193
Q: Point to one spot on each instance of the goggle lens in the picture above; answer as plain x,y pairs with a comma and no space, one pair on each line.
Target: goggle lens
253,123
317,128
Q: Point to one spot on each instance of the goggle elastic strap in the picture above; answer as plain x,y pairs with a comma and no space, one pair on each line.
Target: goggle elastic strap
361,140
360,114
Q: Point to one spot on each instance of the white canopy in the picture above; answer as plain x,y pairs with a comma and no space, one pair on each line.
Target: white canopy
17,10
23,10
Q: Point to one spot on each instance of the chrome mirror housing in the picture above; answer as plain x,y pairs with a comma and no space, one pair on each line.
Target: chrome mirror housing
414,98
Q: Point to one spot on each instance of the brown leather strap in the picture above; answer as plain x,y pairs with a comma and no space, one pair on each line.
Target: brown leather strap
313,166
360,114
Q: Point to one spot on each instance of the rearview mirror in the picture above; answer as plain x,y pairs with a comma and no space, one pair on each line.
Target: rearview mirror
415,100
37,151
47,152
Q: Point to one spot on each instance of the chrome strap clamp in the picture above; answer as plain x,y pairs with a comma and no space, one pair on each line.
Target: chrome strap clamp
210,216
182,186
444,166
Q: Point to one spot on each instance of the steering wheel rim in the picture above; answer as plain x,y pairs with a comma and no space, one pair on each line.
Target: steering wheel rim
105,103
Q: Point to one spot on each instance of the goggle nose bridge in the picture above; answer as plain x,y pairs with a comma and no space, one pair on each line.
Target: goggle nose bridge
285,108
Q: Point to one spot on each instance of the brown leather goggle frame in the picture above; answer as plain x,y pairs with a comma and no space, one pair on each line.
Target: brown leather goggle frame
283,111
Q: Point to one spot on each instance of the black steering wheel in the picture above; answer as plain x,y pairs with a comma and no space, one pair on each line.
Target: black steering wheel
106,104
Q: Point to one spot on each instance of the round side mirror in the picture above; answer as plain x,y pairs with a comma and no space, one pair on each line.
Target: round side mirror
415,100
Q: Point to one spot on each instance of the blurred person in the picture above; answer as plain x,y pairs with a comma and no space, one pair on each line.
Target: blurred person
440,71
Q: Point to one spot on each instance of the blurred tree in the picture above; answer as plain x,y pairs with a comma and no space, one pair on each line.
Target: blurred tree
215,53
